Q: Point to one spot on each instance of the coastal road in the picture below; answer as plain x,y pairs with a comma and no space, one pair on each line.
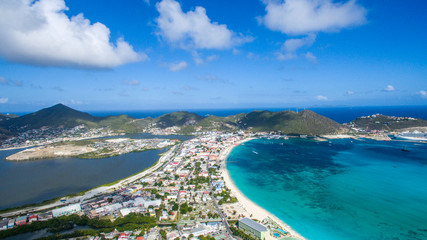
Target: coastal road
224,220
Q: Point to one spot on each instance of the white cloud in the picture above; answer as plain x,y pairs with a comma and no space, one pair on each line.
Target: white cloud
147,2
292,45
389,88
174,67
4,100
285,56
306,16
40,33
322,98
198,58
132,82
422,93
194,29
76,102
212,78
7,82
310,57
349,92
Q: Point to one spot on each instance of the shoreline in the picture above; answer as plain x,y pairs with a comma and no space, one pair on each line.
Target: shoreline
251,207
90,193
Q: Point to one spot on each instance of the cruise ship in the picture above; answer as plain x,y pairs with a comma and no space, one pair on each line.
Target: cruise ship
414,136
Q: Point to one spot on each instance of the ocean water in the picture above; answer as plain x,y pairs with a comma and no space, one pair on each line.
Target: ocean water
342,189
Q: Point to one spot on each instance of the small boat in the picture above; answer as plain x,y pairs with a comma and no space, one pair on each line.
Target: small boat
405,149
255,152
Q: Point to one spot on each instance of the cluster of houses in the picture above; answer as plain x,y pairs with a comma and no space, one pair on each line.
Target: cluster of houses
185,191
46,135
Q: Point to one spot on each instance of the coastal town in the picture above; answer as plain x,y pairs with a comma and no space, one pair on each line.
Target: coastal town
188,194
48,135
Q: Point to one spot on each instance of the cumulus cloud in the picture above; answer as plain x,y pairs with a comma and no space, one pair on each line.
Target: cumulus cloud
174,67
322,98
194,29
3,100
299,17
389,88
422,93
40,33
349,92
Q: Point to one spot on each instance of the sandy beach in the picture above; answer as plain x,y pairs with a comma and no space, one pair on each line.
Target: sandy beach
251,207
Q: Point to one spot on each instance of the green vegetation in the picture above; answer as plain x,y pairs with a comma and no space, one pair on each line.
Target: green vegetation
208,237
382,122
131,222
287,122
226,198
185,208
180,118
240,233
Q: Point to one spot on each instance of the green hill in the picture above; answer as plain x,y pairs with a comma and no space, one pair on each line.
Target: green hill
388,123
180,118
289,122
7,116
55,116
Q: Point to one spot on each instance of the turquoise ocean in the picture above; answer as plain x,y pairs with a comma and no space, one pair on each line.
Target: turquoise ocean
338,189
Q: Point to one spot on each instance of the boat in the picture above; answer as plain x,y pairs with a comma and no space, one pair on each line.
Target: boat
413,136
405,149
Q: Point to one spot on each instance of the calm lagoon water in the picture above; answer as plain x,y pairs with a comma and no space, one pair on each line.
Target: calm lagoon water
342,189
35,181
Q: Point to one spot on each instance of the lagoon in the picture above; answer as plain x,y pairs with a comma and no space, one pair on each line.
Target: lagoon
31,182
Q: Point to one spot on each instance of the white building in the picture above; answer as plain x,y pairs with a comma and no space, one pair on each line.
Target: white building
70,209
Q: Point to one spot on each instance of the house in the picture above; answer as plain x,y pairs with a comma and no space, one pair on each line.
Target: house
3,224
21,220
124,236
33,218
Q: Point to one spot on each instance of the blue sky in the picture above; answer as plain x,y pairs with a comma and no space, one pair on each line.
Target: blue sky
195,54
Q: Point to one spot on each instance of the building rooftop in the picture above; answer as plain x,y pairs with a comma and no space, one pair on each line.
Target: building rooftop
252,224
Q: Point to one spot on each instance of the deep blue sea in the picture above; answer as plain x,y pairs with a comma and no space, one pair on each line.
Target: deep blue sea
339,114
342,189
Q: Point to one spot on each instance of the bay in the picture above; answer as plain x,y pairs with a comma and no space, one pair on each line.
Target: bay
341,189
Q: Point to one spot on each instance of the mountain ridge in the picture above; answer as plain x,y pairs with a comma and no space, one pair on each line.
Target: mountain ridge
286,122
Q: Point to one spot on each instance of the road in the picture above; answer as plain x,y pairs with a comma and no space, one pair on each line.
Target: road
224,220
164,159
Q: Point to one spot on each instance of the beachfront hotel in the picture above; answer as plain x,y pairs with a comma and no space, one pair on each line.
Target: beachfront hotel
255,229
